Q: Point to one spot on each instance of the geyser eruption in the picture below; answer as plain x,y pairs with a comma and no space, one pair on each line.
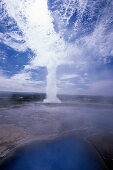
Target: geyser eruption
51,89
60,32
35,21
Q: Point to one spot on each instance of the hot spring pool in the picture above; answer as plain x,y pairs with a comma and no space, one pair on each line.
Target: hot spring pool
66,153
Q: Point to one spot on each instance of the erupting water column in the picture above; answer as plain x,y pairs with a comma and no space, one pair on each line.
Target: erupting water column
49,50
35,21
49,44
51,89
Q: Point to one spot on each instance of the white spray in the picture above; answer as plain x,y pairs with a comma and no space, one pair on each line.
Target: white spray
35,21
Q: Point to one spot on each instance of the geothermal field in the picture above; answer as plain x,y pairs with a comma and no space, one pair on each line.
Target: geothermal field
74,134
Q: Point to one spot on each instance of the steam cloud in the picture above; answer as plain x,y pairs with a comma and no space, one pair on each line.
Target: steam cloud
35,22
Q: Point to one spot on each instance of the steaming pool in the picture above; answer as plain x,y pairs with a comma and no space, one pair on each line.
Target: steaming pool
64,153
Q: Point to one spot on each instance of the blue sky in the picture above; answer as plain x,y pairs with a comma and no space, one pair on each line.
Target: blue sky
75,36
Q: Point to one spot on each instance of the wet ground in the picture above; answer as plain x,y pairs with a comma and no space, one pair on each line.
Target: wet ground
92,123
62,153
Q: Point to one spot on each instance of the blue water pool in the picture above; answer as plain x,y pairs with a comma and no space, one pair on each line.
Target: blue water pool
65,153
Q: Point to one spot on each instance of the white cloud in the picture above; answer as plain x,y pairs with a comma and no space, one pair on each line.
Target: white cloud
7,39
99,42
69,76
23,76
20,82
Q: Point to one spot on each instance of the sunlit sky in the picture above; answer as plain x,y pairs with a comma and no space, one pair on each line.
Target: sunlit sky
75,36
